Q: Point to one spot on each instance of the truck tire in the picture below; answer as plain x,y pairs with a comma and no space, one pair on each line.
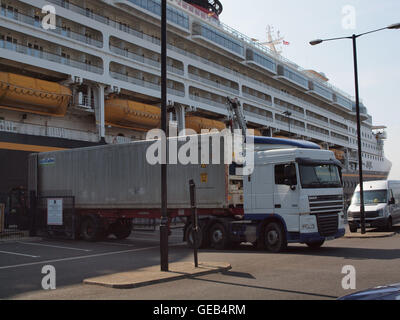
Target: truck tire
315,245
91,228
219,237
122,229
189,237
353,229
274,238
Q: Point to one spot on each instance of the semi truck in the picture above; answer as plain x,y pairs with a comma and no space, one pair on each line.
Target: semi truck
293,195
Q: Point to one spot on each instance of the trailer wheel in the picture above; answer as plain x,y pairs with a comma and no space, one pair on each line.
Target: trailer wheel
189,236
91,228
219,238
315,245
122,229
274,238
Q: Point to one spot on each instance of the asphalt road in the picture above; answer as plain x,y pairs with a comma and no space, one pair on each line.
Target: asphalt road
299,273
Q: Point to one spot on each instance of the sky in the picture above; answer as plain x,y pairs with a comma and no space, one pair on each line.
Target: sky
378,53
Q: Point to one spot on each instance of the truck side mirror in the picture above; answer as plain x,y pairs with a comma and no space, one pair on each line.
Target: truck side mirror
392,201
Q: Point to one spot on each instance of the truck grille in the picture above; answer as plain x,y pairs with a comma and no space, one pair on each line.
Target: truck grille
326,209
327,224
368,214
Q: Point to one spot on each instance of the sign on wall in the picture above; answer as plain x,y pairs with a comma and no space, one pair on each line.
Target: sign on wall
55,212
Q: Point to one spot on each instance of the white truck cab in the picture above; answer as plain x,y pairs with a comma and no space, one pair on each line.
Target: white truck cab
299,188
382,205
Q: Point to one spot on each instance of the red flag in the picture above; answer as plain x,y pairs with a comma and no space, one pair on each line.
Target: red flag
286,43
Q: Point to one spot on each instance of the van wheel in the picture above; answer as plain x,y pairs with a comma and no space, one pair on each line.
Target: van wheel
315,245
91,228
189,236
274,237
353,229
389,225
219,238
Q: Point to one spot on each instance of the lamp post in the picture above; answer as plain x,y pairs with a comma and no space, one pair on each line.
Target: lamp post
288,114
360,167
164,198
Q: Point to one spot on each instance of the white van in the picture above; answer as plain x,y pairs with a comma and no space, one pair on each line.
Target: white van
382,205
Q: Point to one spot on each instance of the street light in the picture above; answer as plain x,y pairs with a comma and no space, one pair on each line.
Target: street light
288,114
360,168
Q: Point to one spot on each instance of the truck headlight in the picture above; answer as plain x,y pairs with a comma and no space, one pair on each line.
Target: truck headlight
381,212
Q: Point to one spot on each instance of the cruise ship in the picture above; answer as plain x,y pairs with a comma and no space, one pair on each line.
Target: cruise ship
95,79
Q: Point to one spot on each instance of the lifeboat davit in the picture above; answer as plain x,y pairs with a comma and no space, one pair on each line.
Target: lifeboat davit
198,123
33,95
131,114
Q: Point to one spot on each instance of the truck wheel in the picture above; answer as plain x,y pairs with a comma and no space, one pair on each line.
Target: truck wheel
122,229
91,229
353,229
189,236
219,238
315,244
274,237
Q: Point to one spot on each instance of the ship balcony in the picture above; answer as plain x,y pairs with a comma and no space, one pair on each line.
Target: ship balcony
175,16
261,61
49,56
257,99
146,84
219,40
292,78
344,103
320,92
214,84
34,21
144,60
210,102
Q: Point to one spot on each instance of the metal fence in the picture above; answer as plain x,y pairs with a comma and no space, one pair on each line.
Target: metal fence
14,216
54,216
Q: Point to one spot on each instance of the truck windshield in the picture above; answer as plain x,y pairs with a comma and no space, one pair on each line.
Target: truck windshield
319,176
371,197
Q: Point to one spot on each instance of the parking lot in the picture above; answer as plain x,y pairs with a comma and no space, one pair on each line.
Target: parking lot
299,273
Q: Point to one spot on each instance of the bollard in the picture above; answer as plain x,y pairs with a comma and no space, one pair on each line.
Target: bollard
195,227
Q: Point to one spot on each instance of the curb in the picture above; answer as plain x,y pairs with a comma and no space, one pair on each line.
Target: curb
370,235
165,277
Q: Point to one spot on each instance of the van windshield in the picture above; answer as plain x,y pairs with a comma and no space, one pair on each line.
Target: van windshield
371,197
320,176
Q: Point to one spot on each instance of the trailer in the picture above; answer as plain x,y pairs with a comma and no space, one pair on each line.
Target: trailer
113,184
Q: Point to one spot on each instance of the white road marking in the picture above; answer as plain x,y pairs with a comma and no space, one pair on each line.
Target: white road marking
117,244
19,254
52,246
77,258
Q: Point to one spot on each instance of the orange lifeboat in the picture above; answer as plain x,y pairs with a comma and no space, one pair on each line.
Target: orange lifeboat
198,123
32,95
132,114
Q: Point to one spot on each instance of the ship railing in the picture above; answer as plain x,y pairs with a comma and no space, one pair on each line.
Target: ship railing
59,30
257,99
41,54
213,83
143,59
144,83
208,101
